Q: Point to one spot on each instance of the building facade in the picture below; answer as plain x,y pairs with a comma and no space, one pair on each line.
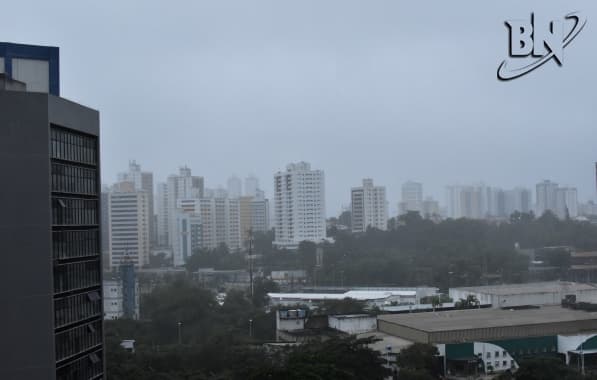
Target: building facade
143,181
546,197
162,215
412,197
50,221
181,186
299,205
369,207
128,219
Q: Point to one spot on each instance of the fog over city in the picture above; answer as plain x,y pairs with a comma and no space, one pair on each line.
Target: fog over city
392,90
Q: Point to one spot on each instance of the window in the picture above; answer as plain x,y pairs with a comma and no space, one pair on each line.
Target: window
72,146
86,367
76,308
75,243
77,340
73,179
504,363
73,211
74,276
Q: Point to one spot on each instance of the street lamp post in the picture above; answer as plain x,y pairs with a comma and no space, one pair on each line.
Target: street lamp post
179,333
251,328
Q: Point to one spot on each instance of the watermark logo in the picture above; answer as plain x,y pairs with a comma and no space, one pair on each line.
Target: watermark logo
534,43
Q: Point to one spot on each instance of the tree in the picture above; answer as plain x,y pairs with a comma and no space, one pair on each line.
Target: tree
336,358
419,358
471,302
342,307
544,369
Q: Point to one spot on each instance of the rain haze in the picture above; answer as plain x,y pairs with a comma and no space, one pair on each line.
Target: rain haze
392,90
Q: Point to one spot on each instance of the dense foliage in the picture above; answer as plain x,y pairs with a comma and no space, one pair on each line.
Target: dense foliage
225,342
416,251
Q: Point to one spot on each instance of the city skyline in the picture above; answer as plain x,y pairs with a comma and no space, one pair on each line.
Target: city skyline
394,196
420,100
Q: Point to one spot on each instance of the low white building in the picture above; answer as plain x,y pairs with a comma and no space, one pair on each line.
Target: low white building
538,293
114,307
286,277
353,323
371,298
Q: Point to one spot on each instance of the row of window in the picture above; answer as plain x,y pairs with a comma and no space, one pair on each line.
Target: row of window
77,308
68,211
88,367
72,244
72,146
73,179
78,339
78,275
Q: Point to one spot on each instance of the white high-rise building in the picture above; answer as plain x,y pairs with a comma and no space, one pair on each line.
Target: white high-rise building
205,223
251,186
162,214
369,207
466,202
128,221
518,199
181,186
234,187
187,230
546,197
412,197
299,204
142,181
566,202
430,209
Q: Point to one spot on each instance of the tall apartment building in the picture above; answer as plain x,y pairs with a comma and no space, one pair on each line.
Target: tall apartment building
251,186
163,218
188,230
142,181
128,219
430,209
254,216
234,187
412,197
465,202
50,283
369,207
205,223
181,186
546,197
566,202
518,199
299,204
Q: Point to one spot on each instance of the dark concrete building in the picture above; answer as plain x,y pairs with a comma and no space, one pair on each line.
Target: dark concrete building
50,278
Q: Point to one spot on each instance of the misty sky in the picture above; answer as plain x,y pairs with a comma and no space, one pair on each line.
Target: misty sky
393,90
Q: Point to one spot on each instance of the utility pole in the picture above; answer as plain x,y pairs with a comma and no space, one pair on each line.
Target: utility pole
251,260
179,333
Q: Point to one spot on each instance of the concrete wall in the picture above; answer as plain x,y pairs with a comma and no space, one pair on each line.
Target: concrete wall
353,324
26,285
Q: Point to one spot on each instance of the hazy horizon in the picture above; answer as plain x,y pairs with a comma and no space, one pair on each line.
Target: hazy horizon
390,90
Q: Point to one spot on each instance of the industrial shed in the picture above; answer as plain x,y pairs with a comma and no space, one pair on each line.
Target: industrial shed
461,326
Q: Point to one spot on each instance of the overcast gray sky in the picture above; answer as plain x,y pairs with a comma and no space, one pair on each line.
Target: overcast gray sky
393,90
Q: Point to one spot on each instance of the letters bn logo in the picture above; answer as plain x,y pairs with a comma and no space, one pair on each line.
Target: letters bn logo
535,42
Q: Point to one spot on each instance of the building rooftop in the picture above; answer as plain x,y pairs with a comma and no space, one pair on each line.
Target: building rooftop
486,318
359,295
535,287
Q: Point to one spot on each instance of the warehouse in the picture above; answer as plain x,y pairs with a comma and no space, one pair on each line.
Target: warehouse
494,339
538,293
